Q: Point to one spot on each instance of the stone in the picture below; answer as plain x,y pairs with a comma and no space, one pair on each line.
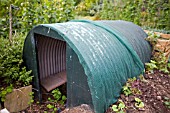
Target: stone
162,46
163,42
159,97
4,111
166,36
18,99
84,108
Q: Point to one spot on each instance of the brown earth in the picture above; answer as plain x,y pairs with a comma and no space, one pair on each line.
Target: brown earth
154,89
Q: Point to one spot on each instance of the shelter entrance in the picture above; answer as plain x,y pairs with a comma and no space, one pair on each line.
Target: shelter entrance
51,56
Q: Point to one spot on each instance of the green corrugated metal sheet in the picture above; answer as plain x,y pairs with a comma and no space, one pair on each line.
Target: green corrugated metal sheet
107,54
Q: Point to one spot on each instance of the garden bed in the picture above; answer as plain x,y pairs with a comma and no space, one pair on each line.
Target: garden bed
155,92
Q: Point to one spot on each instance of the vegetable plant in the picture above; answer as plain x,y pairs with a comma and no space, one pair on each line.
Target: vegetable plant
119,108
139,103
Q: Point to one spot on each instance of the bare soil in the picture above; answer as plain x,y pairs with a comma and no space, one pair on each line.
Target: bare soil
154,89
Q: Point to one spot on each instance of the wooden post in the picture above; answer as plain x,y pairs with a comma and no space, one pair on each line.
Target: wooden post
10,24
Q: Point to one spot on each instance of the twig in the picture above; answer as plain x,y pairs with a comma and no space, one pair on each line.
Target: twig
10,24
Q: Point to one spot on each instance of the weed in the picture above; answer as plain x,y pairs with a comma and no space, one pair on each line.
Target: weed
119,108
57,97
167,102
32,98
159,60
151,66
12,70
139,103
150,13
131,87
126,89
5,91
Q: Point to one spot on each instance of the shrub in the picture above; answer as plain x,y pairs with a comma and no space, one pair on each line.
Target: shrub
12,70
146,13
33,12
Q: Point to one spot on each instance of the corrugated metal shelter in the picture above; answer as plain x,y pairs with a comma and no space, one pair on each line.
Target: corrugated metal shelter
94,57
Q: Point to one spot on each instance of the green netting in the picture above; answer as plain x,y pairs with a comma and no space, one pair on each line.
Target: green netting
107,60
107,56
135,36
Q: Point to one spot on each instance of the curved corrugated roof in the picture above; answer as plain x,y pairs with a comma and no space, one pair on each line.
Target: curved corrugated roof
106,54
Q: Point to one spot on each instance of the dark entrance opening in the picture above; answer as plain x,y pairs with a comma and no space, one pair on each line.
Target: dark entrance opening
51,56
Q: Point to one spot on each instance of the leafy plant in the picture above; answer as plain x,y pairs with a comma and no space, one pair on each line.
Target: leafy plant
119,108
88,8
151,66
167,102
32,98
159,60
152,38
57,97
150,13
12,70
5,91
126,90
33,12
139,103
131,87
56,94
50,106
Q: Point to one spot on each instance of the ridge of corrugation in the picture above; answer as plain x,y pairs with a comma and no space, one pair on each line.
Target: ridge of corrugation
107,63
50,52
134,34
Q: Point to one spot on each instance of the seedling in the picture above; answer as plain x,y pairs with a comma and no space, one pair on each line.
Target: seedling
32,98
57,97
139,103
167,102
5,91
126,89
119,108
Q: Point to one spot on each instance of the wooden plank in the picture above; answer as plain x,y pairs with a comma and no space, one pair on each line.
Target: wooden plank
53,81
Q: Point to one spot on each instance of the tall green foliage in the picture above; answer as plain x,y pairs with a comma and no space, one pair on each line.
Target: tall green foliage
33,12
149,13
46,12
12,70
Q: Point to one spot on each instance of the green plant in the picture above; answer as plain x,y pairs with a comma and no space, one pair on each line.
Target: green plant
150,13
126,89
31,101
168,65
51,106
12,70
56,94
119,108
56,97
33,12
5,91
159,60
131,87
88,7
139,103
151,66
32,98
167,102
